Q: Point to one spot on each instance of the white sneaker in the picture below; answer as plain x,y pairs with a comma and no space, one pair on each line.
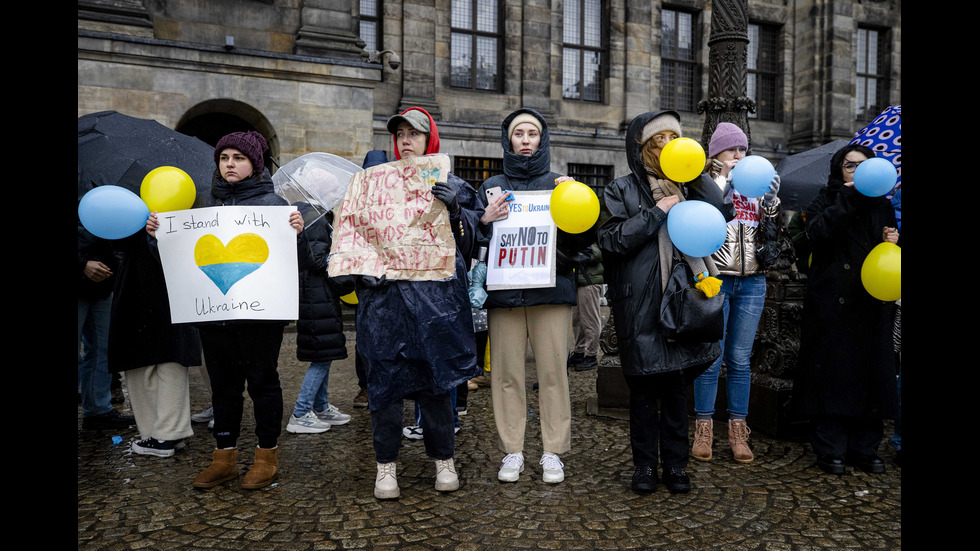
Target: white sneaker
203,416
333,416
386,483
446,478
552,468
413,432
211,424
513,466
307,424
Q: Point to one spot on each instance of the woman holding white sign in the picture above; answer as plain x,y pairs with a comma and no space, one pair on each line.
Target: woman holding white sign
542,314
416,336
638,254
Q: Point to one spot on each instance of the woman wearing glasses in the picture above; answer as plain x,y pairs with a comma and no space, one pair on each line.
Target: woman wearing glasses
845,382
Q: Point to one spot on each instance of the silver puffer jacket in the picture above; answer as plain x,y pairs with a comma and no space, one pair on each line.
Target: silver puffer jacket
740,255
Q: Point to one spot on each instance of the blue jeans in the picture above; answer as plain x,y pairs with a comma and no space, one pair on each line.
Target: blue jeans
93,365
745,297
313,393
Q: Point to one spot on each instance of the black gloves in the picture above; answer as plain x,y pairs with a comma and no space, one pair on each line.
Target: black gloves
445,193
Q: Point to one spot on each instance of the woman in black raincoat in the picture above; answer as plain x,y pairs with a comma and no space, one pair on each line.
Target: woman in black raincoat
416,337
634,245
845,382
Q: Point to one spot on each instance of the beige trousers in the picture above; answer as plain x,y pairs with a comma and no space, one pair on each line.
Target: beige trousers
161,401
587,320
547,326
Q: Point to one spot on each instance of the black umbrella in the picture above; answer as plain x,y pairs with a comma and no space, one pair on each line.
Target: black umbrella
119,150
803,175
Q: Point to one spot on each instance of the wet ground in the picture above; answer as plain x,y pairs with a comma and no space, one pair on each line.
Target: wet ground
324,495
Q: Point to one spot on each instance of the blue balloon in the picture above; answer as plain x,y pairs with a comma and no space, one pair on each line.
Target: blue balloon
696,228
112,212
752,176
875,177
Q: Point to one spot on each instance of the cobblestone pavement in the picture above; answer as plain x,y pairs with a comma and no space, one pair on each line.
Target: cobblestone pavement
324,496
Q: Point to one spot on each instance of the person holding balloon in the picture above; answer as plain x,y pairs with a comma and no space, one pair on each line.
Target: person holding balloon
639,254
845,382
542,315
742,261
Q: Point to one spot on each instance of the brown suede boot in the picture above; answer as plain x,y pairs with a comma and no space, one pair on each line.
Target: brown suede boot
738,437
223,467
264,469
703,435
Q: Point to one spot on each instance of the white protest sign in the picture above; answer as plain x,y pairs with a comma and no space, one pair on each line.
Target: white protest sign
390,223
229,263
522,248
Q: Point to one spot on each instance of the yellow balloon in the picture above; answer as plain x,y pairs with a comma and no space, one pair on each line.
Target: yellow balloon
168,188
881,272
682,160
574,207
349,298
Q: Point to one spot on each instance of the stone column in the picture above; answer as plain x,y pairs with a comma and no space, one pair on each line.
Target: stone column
638,71
328,29
419,57
727,67
536,57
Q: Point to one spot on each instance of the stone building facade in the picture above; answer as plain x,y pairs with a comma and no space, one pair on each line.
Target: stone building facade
299,70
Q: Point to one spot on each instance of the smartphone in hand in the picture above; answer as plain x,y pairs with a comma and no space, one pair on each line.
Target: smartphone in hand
493,193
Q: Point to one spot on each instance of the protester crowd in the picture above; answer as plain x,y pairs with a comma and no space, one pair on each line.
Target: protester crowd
423,340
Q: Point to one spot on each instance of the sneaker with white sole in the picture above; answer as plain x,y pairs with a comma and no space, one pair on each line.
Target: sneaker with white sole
446,478
333,416
386,483
413,432
552,468
307,424
203,416
511,468
159,448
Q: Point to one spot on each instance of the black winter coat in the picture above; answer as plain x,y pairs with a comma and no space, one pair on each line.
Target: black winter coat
630,253
533,173
320,327
847,361
91,247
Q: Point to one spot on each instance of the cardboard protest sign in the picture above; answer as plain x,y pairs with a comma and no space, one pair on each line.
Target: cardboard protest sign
522,248
228,263
390,223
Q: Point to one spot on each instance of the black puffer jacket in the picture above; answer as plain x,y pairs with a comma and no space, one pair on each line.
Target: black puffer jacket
320,327
631,255
533,173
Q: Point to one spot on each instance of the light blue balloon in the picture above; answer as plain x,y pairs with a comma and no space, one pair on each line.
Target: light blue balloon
696,228
112,212
752,176
875,177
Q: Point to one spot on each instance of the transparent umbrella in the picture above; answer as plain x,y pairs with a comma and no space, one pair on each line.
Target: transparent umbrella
318,179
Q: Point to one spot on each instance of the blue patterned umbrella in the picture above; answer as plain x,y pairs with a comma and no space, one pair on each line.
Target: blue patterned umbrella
884,136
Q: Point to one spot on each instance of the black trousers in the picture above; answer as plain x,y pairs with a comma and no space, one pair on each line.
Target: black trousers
437,433
235,354
853,436
659,433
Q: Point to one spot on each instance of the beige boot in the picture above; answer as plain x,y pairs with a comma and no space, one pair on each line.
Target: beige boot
446,478
386,483
223,467
703,435
264,469
738,437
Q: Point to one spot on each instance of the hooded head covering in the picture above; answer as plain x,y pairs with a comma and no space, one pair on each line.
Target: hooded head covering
523,166
251,143
421,120
638,129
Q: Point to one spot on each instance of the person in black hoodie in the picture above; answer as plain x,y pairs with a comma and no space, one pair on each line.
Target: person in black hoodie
541,314
637,254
